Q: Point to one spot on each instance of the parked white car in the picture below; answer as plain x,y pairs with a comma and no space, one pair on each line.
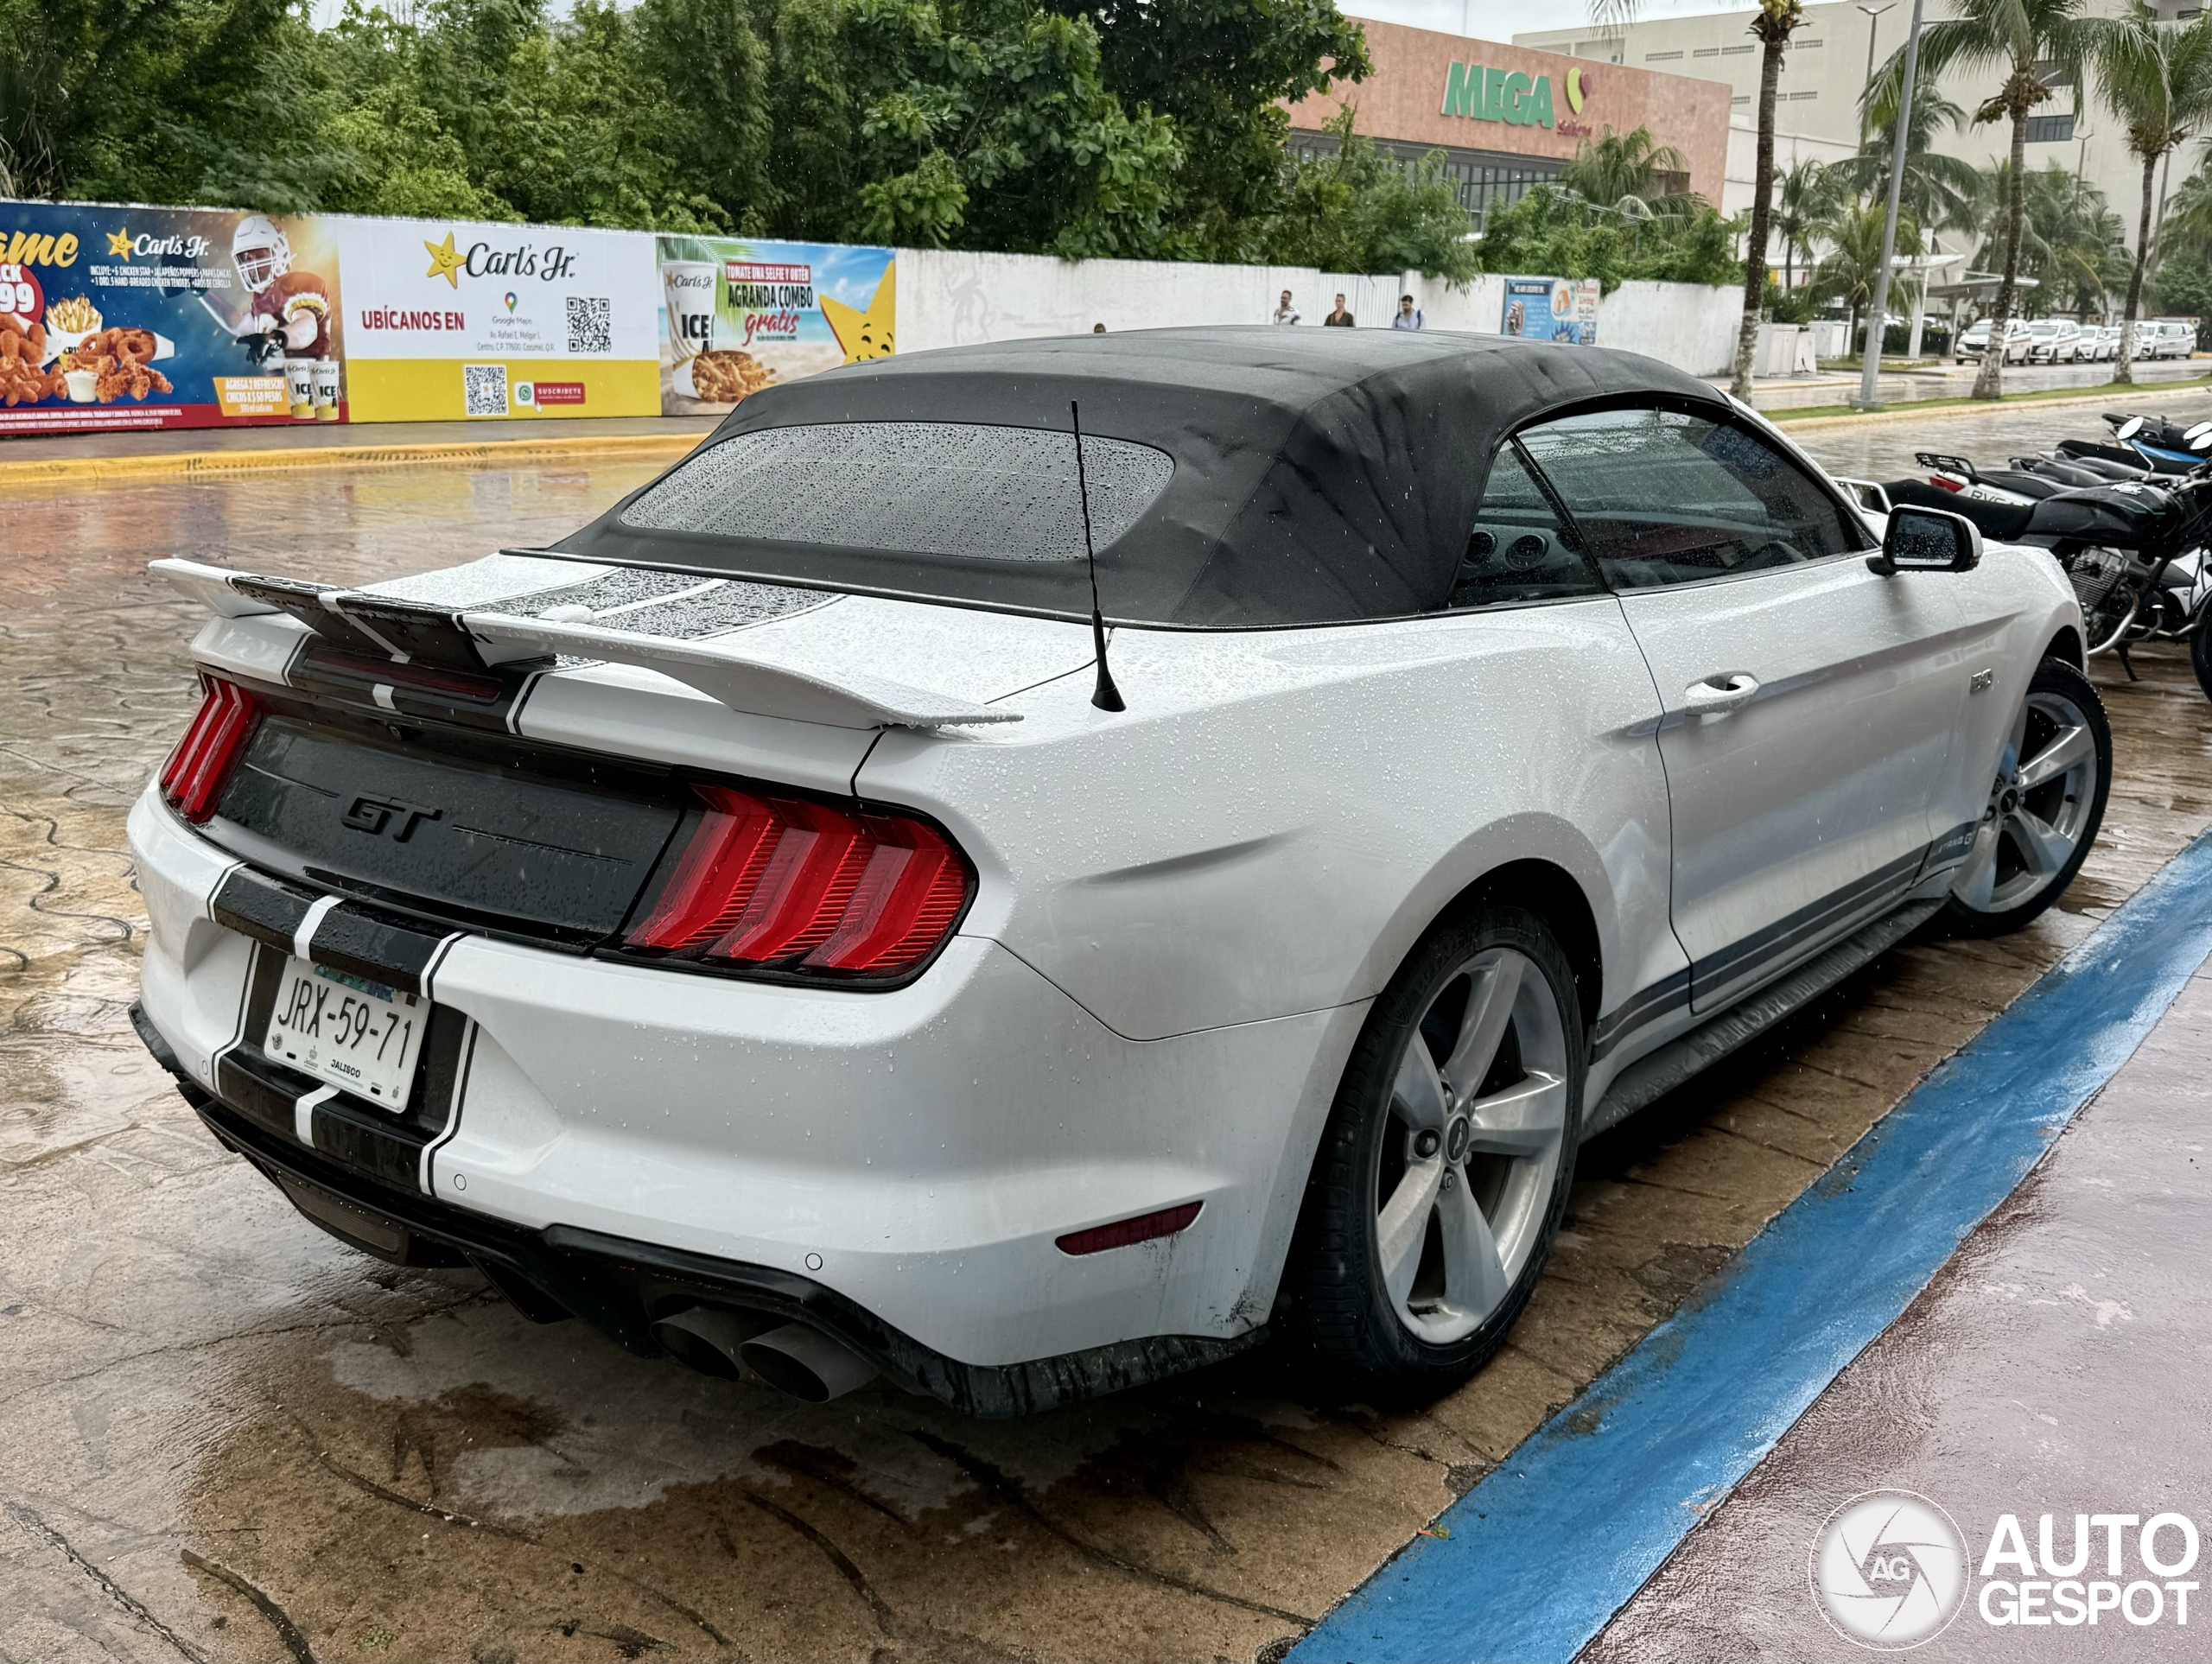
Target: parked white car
2170,338
2099,341
758,925
2054,340
1975,342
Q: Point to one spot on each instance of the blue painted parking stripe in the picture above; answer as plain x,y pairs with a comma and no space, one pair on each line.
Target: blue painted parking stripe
1557,1538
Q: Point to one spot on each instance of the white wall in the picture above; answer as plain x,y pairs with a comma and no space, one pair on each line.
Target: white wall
1689,326
948,298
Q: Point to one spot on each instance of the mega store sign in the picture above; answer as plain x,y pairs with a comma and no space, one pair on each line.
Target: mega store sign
1514,97
133,317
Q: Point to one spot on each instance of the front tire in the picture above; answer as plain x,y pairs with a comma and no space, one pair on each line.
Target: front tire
2045,805
2200,655
1444,1170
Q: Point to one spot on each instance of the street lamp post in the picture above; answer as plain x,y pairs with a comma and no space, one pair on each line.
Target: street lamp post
1873,20
1871,368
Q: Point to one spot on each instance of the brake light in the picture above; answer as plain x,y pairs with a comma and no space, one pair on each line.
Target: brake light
193,777
800,885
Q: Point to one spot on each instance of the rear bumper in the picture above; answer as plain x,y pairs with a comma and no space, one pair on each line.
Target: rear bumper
620,1286
909,1157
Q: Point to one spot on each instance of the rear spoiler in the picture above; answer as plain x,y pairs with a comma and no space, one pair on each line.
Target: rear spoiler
746,672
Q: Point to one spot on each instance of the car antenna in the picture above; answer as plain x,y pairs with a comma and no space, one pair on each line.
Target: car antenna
1106,696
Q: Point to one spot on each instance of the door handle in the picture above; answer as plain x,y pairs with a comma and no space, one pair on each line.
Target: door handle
1720,693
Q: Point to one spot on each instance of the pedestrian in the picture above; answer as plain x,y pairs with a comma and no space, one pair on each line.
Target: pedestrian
1340,319
1286,314
1408,315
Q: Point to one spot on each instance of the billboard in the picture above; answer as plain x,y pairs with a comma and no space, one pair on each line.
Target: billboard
122,317
137,317
450,321
738,314
1553,309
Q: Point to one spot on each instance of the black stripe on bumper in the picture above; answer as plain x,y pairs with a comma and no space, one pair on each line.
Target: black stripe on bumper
355,936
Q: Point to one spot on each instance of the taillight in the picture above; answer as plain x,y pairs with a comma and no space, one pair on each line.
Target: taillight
193,778
796,885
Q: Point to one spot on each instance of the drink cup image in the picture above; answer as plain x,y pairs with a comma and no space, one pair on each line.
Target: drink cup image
298,385
325,390
690,289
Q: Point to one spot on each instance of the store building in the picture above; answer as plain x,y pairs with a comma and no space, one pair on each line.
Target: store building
1824,72
1507,117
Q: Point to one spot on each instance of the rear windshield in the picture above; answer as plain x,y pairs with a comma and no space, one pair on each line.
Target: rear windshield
931,487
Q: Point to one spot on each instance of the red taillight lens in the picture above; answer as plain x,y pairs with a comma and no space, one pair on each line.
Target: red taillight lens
798,885
193,778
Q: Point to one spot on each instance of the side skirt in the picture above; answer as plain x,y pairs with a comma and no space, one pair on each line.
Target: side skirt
1649,1079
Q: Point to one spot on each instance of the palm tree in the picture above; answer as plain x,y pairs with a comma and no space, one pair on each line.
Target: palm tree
1807,193
2014,37
1774,22
2073,248
2188,222
2157,79
1939,188
1847,272
1612,169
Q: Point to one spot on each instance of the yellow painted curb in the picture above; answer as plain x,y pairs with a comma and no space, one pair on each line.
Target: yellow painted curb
215,465
2108,395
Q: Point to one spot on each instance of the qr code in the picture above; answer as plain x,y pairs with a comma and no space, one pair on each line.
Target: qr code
590,324
484,389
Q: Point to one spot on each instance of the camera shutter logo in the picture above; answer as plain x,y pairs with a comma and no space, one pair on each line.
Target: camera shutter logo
1889,1569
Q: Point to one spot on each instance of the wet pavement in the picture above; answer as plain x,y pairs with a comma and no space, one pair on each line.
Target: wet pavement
223,1436
1883,450
1949,380
2056,1366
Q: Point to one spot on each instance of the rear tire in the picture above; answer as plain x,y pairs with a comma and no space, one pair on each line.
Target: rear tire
2200,655
2045,805
1443,1170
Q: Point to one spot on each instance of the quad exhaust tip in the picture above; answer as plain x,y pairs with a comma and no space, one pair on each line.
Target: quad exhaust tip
738,1345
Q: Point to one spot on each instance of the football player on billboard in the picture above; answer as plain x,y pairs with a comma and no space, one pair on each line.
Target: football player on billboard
289,314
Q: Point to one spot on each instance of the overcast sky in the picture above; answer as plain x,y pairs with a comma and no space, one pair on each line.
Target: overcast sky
1496,20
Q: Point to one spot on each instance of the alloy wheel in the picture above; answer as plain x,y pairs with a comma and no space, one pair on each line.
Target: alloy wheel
2044,792
1467,1161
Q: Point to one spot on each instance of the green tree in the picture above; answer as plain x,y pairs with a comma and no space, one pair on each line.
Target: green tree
1360,210
2157,79
1223,71
2016,38
1615,166
1939,188
1848,272
1807,193
1774,22
1560,233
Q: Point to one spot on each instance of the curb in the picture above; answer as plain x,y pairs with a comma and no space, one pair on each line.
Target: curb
1533,1562
1932,410
214,465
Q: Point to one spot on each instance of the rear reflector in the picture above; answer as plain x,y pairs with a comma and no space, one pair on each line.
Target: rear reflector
194,777
1122,1232
800,886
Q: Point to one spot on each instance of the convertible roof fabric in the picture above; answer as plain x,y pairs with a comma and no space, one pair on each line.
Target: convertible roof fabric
1320,475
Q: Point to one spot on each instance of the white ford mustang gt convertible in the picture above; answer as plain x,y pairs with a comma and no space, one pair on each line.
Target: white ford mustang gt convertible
754,926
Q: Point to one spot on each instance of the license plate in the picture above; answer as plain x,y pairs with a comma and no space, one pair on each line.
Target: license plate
351,1030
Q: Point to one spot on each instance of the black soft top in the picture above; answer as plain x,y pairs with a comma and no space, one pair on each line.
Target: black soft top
1320,475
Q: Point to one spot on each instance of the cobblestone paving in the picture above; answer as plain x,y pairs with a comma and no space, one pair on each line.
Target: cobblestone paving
223,1435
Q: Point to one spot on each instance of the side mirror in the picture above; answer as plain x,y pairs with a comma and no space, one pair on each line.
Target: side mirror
2128,429
1926,540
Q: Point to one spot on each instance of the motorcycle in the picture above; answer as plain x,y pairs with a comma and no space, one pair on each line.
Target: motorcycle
2127,522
